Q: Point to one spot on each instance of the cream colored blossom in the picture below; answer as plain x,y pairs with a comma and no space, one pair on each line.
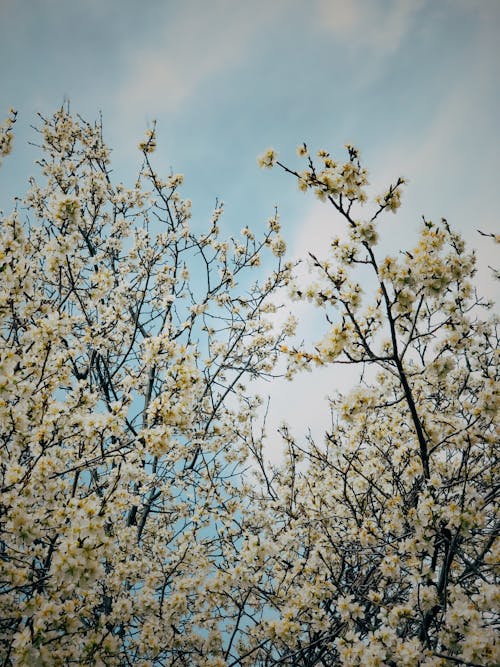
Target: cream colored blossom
268,159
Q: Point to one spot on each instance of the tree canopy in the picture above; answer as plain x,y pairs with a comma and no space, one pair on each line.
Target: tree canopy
141,522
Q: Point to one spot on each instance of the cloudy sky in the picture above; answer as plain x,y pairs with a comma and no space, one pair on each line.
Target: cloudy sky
413,83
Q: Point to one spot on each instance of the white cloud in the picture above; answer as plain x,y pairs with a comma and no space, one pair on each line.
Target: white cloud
362,24
198,41
302,403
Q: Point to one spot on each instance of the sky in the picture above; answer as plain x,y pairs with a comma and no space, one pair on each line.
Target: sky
413,83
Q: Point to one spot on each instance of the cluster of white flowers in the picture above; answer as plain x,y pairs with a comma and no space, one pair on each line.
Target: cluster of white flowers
268,159
333,179
7,134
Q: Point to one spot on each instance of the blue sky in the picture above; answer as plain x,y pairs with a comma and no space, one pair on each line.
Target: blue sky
413,83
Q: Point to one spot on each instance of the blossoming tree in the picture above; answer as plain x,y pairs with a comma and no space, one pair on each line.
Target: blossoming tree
126,338
140,521
379,546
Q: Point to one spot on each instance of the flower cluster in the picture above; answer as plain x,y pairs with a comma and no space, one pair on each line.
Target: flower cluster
7,134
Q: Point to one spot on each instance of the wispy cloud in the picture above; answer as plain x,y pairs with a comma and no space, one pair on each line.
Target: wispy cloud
200,41
302,403
364,24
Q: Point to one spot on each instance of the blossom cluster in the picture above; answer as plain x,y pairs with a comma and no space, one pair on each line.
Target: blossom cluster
7,134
